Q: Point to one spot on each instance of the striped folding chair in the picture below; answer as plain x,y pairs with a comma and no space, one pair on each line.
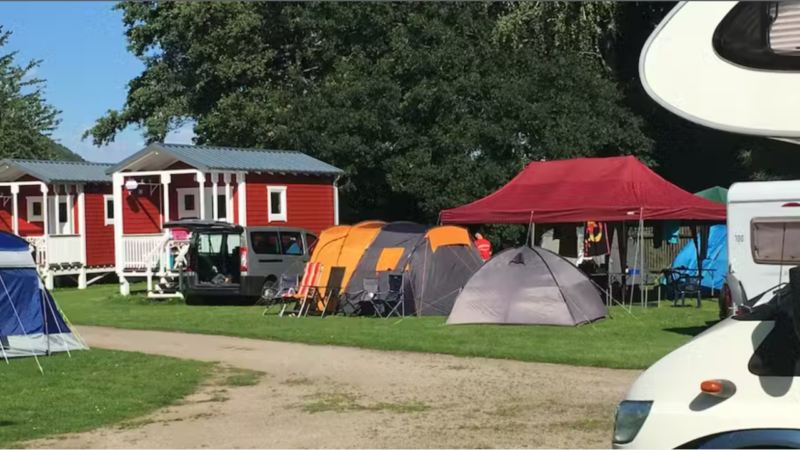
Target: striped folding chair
306,289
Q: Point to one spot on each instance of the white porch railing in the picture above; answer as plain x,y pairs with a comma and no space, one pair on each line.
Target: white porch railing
59,249
170,254
138,250
63,249
40,249
150,251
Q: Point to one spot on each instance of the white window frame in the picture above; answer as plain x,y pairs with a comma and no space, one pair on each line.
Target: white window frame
106,219
283,215
184,213
51,212
31,216
222,205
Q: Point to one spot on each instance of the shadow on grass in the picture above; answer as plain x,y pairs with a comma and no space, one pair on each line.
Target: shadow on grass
692,331
7,423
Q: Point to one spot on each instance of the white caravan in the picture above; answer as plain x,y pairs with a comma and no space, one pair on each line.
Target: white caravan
733,66
759,258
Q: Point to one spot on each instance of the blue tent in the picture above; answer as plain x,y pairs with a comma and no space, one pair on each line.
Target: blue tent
30,322
716,258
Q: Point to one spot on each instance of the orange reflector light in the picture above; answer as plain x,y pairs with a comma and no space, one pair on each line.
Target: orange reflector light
718,388
711,387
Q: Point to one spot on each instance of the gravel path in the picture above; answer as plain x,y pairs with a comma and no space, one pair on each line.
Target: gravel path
336,397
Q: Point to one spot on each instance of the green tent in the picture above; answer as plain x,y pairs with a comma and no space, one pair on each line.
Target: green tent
715,194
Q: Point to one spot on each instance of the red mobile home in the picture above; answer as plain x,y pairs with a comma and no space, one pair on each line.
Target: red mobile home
162,182
74,234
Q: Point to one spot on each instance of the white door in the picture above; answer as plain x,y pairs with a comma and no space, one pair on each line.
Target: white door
64,225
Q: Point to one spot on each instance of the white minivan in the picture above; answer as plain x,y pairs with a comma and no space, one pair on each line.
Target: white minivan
733,66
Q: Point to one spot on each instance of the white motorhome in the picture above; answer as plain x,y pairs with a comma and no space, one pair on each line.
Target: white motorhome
734,66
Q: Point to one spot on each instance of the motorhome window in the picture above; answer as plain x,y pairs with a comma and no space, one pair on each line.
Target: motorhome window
265,242
761,35
775,242
291,243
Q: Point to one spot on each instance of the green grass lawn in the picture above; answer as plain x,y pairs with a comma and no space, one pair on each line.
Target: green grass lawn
91,389
624,341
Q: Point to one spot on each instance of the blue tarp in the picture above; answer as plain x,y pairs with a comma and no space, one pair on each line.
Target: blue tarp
26,293
716,258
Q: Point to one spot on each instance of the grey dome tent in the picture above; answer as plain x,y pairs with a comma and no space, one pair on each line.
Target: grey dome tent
528,286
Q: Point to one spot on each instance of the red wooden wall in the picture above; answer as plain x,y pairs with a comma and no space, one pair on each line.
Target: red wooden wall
99,236
309,201
141,210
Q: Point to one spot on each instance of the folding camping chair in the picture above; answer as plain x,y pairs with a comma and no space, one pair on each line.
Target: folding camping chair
307,287
395,294
287,288
333,290
369,295
351,300
384,294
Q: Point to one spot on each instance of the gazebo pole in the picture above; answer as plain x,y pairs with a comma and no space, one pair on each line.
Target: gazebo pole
641,249
623,258
636,263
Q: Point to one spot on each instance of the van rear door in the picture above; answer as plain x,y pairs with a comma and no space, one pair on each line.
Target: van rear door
213,257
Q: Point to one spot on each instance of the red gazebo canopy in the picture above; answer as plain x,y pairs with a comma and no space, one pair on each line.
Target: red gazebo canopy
582,189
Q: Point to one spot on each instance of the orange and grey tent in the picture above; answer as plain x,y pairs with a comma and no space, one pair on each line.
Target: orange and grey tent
437,262
389,251
343,246
440,266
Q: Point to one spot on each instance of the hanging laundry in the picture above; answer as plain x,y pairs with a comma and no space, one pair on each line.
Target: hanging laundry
596,239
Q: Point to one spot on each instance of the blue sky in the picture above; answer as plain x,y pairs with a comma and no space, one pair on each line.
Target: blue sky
86,65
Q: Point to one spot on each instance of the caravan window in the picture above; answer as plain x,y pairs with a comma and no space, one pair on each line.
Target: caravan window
761,35
776,241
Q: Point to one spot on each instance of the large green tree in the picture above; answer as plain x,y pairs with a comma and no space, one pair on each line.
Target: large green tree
26,119
425,105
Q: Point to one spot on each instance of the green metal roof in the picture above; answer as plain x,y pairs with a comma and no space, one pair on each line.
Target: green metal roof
61,171
209,158
715,194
